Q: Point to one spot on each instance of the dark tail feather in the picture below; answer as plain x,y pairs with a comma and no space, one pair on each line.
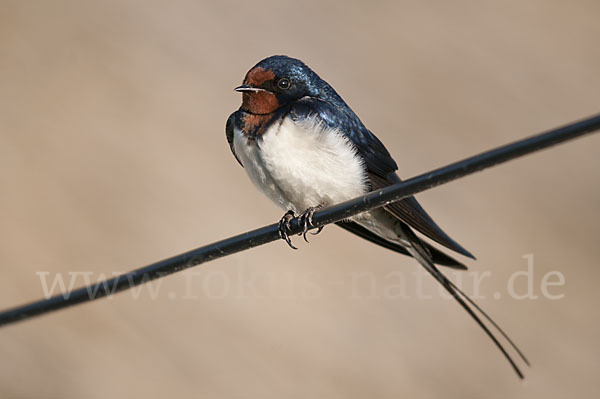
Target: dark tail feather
488,318
437,256
419,252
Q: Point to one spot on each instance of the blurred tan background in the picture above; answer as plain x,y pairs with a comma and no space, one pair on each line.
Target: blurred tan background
113,155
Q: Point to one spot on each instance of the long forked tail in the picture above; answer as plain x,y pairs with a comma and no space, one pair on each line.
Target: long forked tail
420,253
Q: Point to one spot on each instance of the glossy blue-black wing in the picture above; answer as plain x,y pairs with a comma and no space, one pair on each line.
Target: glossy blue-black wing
376,157
381,167
232,121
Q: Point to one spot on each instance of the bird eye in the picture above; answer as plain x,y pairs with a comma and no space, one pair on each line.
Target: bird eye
284,83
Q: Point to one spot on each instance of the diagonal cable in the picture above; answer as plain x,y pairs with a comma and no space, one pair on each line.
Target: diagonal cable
325,216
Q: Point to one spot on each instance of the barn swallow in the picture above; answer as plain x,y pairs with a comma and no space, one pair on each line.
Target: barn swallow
303,146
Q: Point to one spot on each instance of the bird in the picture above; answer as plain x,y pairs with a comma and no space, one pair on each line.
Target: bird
303,146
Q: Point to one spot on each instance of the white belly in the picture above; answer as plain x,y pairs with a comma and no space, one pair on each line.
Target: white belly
302,164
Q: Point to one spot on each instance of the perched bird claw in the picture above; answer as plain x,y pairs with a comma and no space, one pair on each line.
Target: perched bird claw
284,228
319,229
306,218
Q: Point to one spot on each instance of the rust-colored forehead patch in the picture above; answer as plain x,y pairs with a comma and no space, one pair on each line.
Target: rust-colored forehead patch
258,75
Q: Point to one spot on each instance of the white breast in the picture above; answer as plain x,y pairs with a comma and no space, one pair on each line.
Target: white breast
302,164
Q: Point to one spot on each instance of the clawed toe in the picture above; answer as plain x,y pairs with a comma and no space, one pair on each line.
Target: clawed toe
284,228
306,218
319,229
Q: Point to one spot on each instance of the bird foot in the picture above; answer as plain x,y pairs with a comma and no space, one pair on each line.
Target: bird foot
284,227
306,219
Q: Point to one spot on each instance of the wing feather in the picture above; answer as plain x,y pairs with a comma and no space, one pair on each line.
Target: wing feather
381,167
437,256
232,121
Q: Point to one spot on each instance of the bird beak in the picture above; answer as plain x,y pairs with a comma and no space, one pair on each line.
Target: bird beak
246,87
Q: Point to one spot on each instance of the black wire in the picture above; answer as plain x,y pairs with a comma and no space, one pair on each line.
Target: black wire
325,216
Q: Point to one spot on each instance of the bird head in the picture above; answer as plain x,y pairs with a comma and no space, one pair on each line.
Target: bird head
277,81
